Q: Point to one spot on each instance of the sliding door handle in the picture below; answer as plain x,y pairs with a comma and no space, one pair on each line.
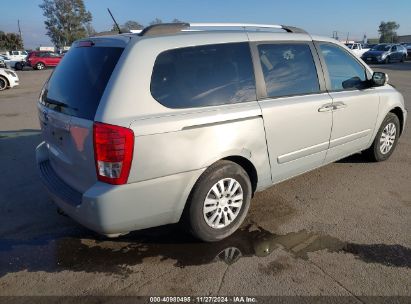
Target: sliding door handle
339,105
326,108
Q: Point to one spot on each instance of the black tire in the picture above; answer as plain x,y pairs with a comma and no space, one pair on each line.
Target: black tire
374,152
40,66
193,214
18,66
3,83
387,60
403,58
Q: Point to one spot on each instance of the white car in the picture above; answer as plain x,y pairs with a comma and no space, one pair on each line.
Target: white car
8,79
12,63
356,48
17,55
4,60
15,59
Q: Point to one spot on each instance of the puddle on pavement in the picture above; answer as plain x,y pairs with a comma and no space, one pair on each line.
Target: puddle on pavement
88,254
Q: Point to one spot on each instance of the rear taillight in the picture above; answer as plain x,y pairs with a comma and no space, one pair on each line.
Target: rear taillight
113,152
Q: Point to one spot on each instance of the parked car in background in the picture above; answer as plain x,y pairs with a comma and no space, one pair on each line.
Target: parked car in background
15,63
8,79
4,62
39,60
142,130
385,53
408,48
357,48
17,55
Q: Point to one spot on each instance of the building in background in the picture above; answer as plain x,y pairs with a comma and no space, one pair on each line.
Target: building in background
404,39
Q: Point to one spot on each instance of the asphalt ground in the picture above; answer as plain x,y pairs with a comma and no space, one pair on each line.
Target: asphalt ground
342,230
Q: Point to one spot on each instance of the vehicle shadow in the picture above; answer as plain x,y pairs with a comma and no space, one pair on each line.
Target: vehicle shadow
357,158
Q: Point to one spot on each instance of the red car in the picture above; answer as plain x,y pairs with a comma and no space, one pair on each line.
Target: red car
41,59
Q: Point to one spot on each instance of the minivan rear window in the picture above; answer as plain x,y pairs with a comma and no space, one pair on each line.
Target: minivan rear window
206,75
77,84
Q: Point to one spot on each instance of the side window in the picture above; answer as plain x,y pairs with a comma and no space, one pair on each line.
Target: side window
15,53
288,69
344,71
205,75
394,48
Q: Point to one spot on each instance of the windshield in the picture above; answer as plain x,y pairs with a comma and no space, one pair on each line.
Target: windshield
349,45
76,86
381,47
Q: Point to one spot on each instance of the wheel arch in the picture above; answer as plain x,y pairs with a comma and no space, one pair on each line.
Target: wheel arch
398,112
248,167
243,162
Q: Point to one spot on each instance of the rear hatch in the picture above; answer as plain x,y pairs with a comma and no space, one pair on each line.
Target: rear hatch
68,104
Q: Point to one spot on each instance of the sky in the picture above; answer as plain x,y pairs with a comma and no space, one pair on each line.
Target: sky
350,17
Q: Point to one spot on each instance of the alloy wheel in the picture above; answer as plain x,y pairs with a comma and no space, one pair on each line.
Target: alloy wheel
387,138
223,203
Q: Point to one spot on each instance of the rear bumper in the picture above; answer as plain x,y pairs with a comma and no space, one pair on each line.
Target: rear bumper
113,210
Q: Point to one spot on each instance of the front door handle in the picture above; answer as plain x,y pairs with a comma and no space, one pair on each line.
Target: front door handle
326,108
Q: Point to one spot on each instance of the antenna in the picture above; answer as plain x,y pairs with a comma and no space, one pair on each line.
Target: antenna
115,22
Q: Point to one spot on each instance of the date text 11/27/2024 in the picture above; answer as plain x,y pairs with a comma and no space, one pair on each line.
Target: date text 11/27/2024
234,299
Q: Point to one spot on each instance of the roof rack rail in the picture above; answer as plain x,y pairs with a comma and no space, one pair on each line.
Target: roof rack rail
164,29
172,28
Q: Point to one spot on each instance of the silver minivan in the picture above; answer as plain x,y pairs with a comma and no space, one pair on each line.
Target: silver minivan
185,122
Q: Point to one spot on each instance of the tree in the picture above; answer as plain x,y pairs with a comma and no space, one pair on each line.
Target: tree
175,20
90,30
388,31
133,25
10,41
129,25
156,21
66,20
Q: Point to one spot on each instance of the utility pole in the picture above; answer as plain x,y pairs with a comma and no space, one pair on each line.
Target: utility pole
18,25
348,35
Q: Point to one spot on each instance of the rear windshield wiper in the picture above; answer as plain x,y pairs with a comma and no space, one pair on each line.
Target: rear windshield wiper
59,103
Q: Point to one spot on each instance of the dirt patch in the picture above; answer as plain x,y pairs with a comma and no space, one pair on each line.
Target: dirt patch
274,267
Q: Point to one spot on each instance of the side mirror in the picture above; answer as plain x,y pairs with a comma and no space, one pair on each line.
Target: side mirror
379,79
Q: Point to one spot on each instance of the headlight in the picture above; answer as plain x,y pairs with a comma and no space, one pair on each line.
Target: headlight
383,56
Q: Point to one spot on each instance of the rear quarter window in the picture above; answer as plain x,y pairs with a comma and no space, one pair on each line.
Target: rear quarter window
205,75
